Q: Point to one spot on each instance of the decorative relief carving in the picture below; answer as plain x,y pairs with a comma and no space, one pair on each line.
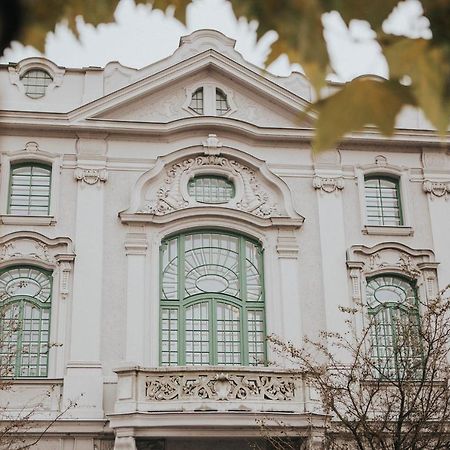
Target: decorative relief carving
328,184
220,386
170,196
437,188
212,145
90,176
26,249
64,279
404,263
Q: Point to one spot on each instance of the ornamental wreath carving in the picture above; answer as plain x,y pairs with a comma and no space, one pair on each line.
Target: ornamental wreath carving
171,197
222,386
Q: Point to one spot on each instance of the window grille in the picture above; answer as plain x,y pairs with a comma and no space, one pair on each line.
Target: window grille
36,82
29,193
25,302
383,205
212,300
211,189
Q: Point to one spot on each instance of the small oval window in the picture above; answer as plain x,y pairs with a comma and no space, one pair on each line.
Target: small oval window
211,189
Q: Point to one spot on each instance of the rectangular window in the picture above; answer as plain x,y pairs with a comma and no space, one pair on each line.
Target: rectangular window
29,191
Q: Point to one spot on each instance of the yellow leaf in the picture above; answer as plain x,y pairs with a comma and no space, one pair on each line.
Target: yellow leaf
361,102
428,68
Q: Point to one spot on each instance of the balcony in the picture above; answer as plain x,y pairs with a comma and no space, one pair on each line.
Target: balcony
211,401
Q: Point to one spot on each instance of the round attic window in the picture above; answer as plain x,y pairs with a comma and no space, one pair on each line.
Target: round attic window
36,82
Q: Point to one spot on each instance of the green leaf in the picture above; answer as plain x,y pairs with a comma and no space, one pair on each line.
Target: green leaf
428,68
361,102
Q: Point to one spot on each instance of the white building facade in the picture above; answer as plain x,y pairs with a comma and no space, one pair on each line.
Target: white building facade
158,224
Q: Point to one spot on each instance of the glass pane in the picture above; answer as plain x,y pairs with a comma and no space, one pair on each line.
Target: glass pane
228,334
221,103
382,202
197,101
197,334
30,190
211,189
36,82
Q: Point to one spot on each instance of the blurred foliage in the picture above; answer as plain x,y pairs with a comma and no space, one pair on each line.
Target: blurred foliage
419,69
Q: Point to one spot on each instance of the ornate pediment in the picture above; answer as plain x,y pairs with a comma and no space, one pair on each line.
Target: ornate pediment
256,191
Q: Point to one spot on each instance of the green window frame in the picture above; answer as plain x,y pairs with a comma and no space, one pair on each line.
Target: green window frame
197,101
393,310
25,311
211,189
383,201
212,300
29,189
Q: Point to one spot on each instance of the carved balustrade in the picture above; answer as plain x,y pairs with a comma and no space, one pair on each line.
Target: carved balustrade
212,389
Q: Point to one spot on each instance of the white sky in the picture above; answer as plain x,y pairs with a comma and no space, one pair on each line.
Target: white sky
141,36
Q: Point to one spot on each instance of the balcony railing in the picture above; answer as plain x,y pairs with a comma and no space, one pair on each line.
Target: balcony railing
193,389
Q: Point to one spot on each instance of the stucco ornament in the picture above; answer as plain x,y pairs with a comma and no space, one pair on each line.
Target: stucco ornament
328,185
172,197
437,188
220,386
25,248
90,176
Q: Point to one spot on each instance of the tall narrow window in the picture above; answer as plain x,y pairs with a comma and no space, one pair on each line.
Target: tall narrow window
383,205
29,193
221,103
197,101
212,300
36,82
392,306
25,302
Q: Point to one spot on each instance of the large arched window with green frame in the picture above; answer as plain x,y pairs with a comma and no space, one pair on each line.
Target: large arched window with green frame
25,304
394,312
212,300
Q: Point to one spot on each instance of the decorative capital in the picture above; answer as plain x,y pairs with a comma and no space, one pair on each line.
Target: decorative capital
91,176
212,145
436,188
328,184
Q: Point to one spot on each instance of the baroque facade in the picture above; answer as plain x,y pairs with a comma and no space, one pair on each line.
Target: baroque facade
158,224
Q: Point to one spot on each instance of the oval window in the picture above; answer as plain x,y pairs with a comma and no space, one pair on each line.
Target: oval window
211,189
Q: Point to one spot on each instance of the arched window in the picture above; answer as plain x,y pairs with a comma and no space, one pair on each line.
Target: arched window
35,82
383,204
211,189
197,101
29,190
212,300
393,309
25,303
221,103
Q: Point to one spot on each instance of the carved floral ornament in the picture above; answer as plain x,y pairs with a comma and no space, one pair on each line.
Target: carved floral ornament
220,386
328,184
172,196
394,258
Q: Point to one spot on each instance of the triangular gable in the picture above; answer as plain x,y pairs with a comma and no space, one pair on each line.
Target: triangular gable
252,83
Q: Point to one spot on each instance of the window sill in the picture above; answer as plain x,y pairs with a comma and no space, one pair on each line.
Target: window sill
27,220
384,230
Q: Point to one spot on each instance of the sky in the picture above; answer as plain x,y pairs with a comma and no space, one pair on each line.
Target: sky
141,36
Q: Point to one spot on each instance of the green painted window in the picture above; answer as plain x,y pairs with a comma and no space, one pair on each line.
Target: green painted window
197,101
211,189
383,205
25,304
221,103
29,190
393,308
36,82
212,300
